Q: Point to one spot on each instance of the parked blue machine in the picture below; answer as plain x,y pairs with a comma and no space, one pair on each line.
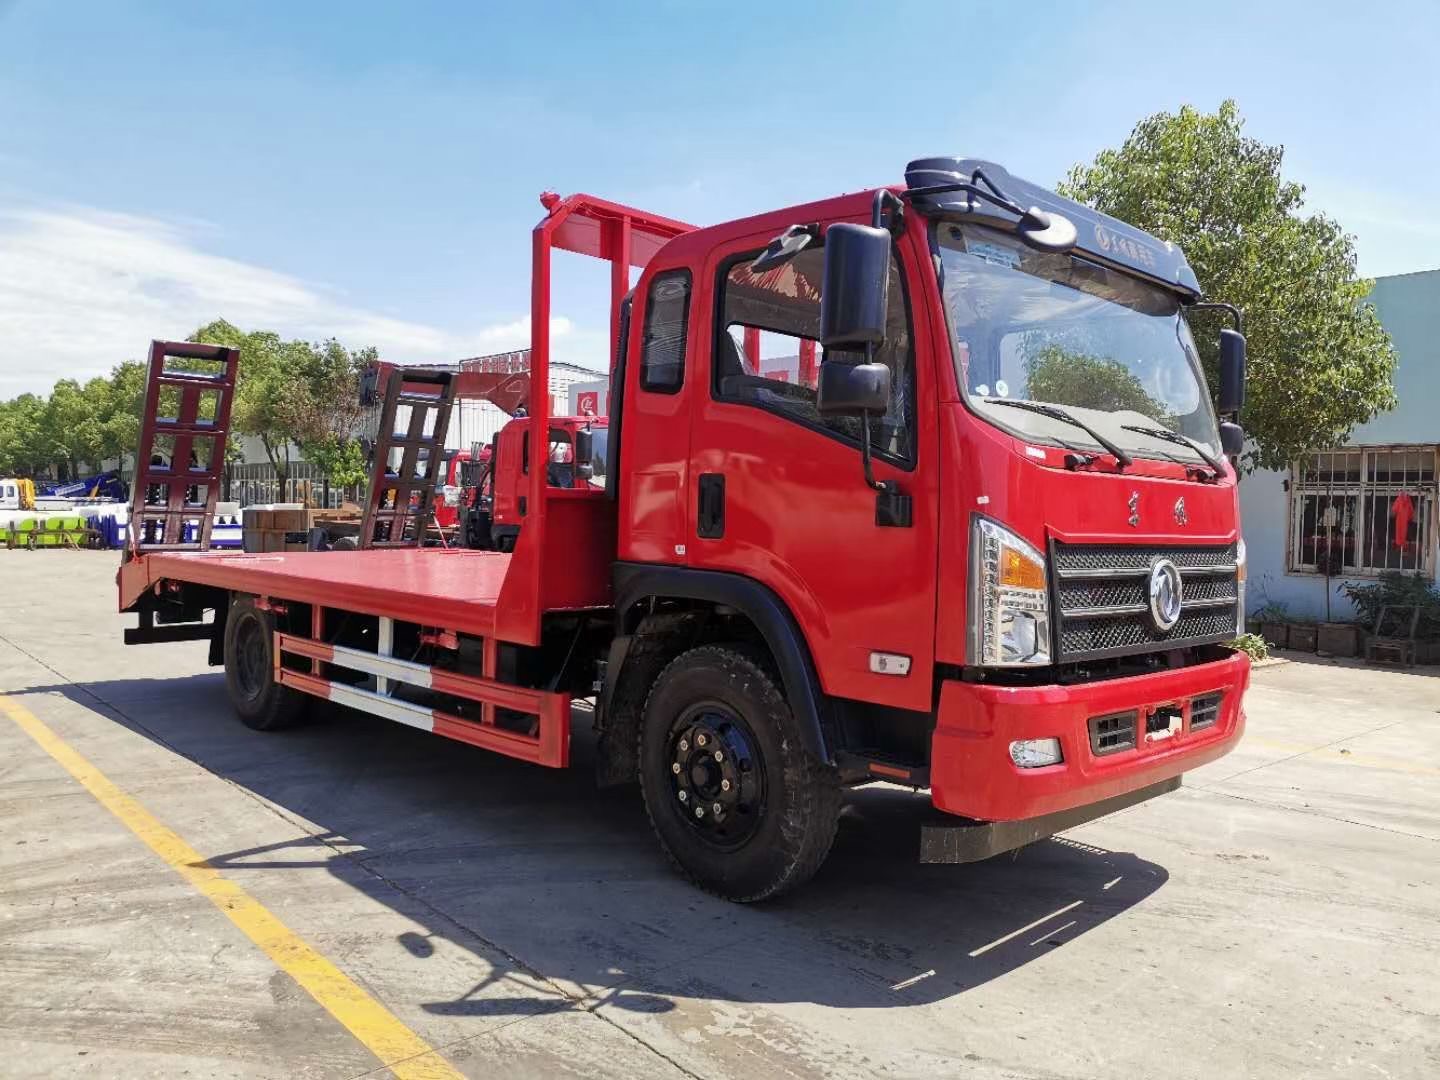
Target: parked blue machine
107,485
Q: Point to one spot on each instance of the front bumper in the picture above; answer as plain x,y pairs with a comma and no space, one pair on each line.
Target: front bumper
971,773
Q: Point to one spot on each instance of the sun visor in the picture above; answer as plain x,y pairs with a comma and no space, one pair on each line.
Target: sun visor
1101,237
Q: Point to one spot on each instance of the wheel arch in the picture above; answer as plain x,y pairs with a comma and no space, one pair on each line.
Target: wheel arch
636,584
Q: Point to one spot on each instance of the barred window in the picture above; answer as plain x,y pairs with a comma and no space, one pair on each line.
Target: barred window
1364,510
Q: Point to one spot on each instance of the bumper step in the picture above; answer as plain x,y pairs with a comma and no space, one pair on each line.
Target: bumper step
961,840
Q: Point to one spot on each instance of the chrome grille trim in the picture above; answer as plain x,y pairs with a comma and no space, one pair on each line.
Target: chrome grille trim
1134,572
1101,606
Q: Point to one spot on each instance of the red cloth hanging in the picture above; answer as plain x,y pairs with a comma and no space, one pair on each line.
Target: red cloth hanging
1404,509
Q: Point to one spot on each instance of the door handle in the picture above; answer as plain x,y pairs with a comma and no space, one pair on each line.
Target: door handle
710,511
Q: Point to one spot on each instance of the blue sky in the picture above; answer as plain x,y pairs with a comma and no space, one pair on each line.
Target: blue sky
372,170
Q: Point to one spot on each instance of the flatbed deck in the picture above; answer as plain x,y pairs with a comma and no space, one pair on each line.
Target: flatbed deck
454,589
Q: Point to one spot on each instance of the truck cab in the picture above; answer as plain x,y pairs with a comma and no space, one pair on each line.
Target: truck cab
1008,576
574,461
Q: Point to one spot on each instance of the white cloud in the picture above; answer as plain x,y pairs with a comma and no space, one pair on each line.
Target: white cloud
83,289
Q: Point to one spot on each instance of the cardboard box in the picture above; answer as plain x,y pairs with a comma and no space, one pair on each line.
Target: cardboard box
290,518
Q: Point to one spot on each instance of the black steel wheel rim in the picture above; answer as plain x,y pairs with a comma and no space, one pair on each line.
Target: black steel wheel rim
252,659
717,775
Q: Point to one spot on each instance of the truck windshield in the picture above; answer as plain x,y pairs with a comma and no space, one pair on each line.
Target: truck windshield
1058,329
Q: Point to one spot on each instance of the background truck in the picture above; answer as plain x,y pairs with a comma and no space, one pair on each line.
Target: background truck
922,484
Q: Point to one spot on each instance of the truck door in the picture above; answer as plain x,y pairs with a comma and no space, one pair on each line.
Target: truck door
659,384
778,492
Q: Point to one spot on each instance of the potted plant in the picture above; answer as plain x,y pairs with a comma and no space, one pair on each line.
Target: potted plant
1396,589
1338,639
1273,628
1302,632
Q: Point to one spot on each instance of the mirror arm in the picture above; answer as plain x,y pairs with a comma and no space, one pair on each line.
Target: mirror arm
1236,316
876,485
883,197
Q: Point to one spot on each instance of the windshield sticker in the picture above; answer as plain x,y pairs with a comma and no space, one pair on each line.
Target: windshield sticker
1002,388
993,253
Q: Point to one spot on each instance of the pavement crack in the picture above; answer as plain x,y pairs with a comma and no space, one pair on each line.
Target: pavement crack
1300,753
1312,812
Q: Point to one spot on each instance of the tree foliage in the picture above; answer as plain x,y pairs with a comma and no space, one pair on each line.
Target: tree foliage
1320,362
75,428
291,394
1055,373
296,394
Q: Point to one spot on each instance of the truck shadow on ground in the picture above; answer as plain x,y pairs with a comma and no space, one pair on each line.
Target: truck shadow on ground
562,891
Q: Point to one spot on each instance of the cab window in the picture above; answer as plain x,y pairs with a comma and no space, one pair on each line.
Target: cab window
662,348
767,351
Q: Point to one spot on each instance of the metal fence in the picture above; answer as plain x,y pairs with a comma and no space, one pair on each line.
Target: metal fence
258,482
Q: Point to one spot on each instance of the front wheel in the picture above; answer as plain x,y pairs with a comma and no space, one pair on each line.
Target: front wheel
737,802
259,701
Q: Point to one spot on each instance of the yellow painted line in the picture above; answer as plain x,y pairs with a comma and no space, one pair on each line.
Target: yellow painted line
406,1054
1332,753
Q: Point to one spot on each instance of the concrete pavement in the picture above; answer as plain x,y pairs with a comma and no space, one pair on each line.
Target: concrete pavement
1279,916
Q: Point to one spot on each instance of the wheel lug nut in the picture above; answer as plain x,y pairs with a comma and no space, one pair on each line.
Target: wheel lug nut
699,811
684,744
682,795
700,740
719,756
716,807
675,767
724,785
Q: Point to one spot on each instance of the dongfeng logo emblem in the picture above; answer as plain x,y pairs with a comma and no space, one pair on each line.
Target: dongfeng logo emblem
1134,505
1181,518
1166,594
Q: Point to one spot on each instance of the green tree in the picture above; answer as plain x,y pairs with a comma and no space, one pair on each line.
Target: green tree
121,428
1058,374
297,394
1320,362
328,412
74,424
265,395
29,444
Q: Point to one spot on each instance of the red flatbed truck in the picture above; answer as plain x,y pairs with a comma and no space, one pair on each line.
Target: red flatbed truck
988,546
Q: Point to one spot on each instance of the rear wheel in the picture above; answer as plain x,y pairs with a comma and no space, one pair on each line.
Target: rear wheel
259,701
737,802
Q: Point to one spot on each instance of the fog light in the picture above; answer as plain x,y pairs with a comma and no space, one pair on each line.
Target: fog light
1033,753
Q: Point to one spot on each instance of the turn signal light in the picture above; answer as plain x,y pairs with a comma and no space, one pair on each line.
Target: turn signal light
1019,571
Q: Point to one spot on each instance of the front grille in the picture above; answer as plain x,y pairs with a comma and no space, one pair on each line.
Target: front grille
1102,605
1111,734
1138,557
1204,711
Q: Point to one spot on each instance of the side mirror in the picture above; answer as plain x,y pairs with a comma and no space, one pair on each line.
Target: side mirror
584,453
852,389
853,294
1232,439
1232,372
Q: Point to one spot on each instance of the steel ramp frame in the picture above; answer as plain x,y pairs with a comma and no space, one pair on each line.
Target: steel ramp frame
401,501
161,500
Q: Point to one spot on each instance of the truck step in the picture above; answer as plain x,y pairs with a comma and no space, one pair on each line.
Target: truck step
546,743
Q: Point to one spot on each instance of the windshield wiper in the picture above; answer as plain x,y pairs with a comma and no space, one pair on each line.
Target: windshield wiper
1180,440
1057,413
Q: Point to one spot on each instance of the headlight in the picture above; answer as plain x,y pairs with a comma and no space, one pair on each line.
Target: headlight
1240,588
1009,606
